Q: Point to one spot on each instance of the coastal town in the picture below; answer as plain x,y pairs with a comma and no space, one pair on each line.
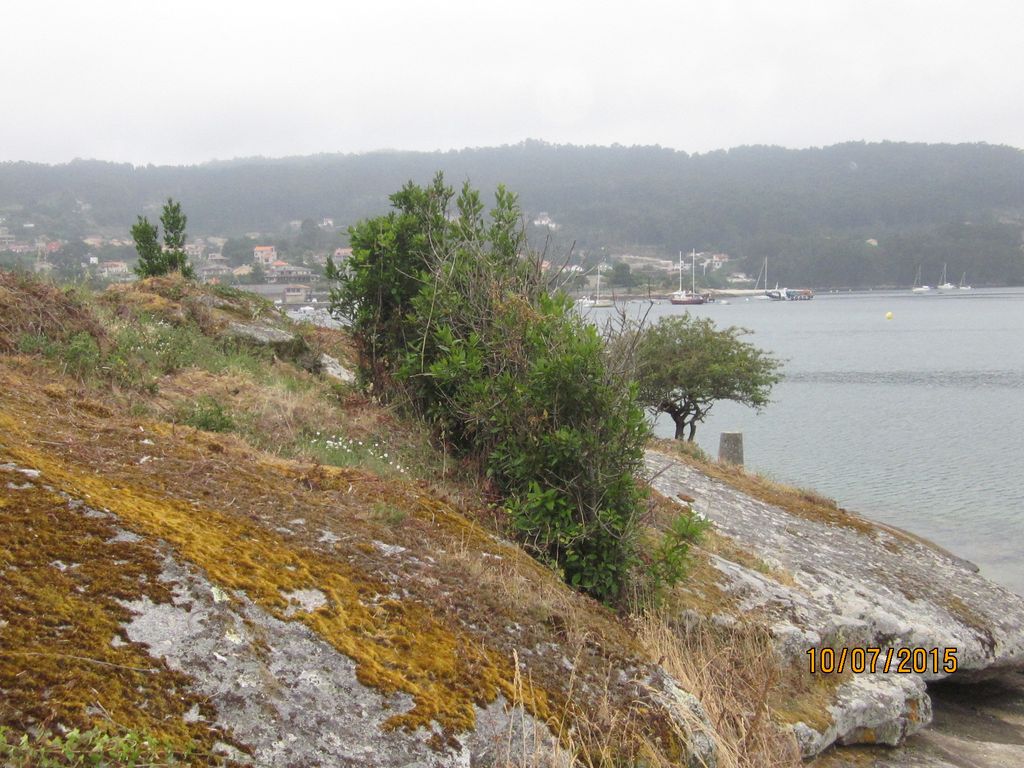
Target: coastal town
288,268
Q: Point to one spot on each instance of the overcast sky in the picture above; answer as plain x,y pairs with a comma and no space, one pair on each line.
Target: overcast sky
185,82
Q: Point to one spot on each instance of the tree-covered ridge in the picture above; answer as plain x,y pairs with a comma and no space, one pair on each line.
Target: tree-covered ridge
815,213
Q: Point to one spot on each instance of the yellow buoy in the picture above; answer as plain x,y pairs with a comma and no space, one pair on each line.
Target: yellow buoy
888,315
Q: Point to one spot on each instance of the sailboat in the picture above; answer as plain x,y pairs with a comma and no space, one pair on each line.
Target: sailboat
945,285
691,296
962,286
764,271
918,288
596,301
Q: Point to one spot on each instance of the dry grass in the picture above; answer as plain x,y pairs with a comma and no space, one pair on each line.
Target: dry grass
735,674
31,307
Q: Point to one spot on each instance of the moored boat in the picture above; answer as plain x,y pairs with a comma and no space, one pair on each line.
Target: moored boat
945,285
918,288
690,297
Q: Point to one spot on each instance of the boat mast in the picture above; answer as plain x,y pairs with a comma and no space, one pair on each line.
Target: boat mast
693,273
680,272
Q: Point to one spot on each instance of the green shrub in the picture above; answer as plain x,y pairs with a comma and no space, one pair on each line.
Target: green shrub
36,344
671,557
209,415
451,315
79,353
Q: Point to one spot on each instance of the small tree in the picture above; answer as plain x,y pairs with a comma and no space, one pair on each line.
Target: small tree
685,364
147,245
154,260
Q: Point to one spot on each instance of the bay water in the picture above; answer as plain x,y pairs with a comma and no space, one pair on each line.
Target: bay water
916,421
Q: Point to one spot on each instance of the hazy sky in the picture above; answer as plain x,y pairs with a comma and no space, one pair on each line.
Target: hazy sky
183,82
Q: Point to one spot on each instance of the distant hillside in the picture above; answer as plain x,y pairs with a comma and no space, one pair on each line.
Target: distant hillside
812,212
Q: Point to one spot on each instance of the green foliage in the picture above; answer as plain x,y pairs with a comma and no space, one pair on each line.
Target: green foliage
671,558
209,415
389,514
93,748
142,350
686,364
155,260
174,222
145,350
147,244
450,313
390,256
79,354
339,451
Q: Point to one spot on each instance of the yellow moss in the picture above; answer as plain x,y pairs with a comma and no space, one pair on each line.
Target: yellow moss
400,647
60,601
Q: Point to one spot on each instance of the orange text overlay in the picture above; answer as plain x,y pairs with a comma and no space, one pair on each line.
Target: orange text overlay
868,659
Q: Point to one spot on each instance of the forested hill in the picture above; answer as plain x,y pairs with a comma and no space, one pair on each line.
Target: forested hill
815,212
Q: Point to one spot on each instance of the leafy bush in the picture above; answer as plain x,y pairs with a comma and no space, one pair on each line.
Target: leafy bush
451,315
670,560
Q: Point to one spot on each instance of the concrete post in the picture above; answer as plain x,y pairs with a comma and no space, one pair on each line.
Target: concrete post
730,448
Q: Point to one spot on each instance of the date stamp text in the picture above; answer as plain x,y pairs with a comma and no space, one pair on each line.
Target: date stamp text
862,659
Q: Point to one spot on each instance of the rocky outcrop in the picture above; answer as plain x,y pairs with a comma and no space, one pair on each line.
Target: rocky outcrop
850,583
260,333
332,369
295,700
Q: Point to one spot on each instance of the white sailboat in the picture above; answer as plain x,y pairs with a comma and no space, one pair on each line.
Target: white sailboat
764,271
918,288
596,300
945,285
962,286
691,296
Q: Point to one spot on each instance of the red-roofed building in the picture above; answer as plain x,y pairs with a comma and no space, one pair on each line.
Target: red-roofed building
264,255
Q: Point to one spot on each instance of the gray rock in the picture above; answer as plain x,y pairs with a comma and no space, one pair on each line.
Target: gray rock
331,368
689,718
295,700
857,588
871,709
260,334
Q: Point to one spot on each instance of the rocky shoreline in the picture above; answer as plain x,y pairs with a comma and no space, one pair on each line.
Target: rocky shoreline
851,583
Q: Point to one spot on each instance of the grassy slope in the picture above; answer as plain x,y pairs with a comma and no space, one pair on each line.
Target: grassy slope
135,401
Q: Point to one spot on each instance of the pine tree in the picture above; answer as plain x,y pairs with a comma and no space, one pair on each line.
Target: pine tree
147,244
154,260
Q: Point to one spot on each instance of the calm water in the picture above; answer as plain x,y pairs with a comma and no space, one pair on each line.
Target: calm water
917,421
